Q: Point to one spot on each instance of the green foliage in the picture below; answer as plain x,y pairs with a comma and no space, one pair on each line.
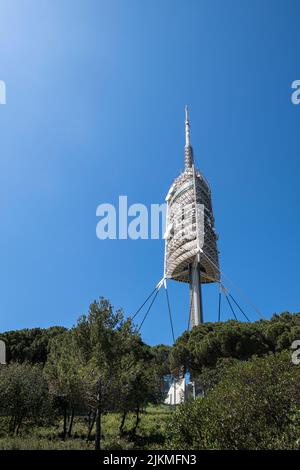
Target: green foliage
102,365
63,371
34,443
161,354
210,376
281,330
206,344
29,345
255,405
113,355
102,370
150,434
23,393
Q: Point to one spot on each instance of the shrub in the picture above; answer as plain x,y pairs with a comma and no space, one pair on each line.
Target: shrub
255,405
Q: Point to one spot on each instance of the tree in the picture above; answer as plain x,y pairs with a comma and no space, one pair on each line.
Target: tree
139,381
103,365
206,344
23,394
161,354
120,367
65,376
30,345
102,339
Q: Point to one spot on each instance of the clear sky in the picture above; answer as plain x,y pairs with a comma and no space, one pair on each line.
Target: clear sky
95,109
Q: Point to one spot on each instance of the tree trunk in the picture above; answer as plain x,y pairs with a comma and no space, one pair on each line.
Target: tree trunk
65,422
122,423
91,425
137,420
19,425
12,424
98,419
71,423
98,430
89,419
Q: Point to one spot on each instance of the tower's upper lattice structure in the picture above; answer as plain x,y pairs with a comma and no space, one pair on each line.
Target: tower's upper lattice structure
189,221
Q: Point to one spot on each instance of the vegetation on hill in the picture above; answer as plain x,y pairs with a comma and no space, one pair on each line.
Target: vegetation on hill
206,344
30,345
93,385
253,404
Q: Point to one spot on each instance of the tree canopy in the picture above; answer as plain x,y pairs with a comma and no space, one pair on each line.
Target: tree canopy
205,344
101,365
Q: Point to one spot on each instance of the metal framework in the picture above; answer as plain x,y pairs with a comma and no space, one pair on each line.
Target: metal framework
191,253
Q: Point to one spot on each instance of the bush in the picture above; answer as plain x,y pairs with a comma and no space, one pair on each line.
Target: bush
255,405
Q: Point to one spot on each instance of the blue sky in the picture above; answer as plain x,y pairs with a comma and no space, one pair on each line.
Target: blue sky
95,109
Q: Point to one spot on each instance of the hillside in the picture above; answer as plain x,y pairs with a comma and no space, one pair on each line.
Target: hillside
99,385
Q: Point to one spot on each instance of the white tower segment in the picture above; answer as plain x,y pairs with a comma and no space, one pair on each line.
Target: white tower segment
191,253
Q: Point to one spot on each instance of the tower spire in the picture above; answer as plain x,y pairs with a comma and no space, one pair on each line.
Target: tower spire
188,150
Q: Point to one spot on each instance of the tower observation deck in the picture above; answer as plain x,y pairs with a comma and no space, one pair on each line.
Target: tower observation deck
191,253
